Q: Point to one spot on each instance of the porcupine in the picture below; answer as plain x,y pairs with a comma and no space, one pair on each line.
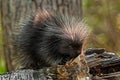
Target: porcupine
48,39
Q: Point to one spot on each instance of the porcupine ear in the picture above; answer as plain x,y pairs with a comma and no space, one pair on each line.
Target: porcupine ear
41,16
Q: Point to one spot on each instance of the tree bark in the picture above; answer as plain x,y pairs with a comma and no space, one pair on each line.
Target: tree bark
12,11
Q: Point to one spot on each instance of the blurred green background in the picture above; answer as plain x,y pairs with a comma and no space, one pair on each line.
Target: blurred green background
103,17
2,58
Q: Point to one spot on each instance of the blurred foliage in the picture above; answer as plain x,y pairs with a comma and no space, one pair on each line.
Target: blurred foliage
2,57
104,18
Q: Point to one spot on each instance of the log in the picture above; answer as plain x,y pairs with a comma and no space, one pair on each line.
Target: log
96,65
103,65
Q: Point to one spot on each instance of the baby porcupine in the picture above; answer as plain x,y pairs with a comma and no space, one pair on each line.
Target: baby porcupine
48,39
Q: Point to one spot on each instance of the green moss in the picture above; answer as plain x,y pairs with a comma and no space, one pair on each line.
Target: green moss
2,66
2,59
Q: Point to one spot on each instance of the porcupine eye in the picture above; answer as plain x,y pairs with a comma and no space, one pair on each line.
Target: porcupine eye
64,48
70,49
77,48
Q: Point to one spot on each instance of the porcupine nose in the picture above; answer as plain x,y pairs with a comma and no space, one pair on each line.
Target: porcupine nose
78,52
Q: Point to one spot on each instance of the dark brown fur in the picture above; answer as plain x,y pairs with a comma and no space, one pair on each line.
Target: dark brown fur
48,39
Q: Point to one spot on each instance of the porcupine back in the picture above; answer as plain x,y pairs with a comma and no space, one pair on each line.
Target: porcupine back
42,36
